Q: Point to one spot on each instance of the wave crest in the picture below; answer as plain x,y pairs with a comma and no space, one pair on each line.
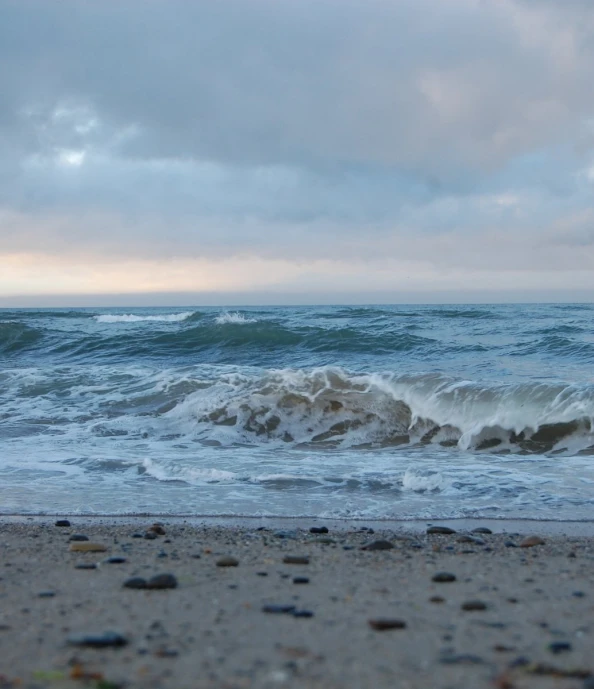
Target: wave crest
132,318
233,317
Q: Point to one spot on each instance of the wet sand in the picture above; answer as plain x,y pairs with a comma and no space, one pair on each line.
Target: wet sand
512,617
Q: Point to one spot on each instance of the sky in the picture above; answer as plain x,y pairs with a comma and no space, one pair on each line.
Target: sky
298,151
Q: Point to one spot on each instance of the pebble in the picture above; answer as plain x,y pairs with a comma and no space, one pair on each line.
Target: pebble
227,561
46,594
150,535
290,535
162,581
436,599
262,574
482,530
559,647
85,565
443,577
471,539
318,529
62,522
87,547
300,580
444,530
104,640
278,609
137,535
302,613
324,540
135,583
461,659
578,594
381,544
381,624
116,560
531,541
474,605
296,560
78,537
510,544
158,529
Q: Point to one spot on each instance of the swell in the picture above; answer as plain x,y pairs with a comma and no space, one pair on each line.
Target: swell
15,337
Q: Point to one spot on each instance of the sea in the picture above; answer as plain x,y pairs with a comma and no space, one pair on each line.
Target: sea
349,412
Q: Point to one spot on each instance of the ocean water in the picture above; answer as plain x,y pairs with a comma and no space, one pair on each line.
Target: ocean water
372,412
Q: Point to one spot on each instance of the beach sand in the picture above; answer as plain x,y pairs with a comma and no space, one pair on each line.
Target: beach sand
531,622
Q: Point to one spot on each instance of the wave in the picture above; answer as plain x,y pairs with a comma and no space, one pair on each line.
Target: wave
131,318
235,318
15,337
330,407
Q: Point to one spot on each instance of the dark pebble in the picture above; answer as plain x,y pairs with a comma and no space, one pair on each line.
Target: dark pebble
85,565
162,554
278,609
135,583
318,529
296,560
104,640
348,547
474,605
302,613
482,530
510,544
78,537
227,561
381,544
137,535
150,535
158,529
444,530
436,599
520,661
471,539
443,577
381,624
115,560
300,580
578,594
559,647
162,581
196,556
62,522
290,535
262,574
46,594
166,653
324,540
461,659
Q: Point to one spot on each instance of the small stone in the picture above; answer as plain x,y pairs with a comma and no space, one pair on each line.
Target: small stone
150,535
262,574
443,530
318,529
227,561
381,624
443,577
559,647
296,560
135,583
300,580
46,594
510,544
470,539
482,530
578,594
137,535
158,529
290,535
62,522
278,609
162,581
85,565
116,560
381,544
461,659
531,541
166,653
324,540
474,605
104,640
78,537
436,599
87,547
302,613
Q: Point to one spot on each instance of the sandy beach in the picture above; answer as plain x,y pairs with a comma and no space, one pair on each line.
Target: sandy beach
260,606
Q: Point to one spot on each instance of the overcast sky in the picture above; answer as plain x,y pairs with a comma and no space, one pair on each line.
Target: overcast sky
297,150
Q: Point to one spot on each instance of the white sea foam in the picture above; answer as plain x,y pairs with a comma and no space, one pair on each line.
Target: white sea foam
132,318
233,317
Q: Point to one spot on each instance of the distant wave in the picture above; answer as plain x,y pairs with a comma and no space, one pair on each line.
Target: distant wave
131,318
234,317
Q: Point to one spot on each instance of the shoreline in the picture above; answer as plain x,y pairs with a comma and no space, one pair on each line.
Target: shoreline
577,528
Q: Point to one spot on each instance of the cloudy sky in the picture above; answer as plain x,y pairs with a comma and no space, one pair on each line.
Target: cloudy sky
187,151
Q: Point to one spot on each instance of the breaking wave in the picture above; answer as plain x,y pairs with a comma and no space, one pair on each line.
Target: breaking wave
131,318
233,318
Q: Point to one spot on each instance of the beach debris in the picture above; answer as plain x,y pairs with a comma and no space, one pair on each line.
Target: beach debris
471,605
87,547
381,544
135,583
296,560
441,530
62,522
78,671
531,541
162,581
78,537
443,577
105,640
278,609
381,624
554,671
227,561
318,529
